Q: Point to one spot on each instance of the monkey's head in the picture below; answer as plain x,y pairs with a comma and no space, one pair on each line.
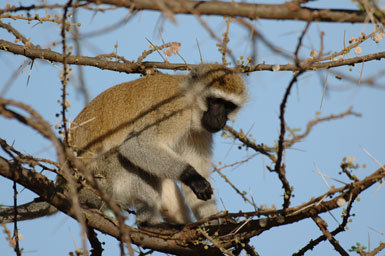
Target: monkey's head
216,93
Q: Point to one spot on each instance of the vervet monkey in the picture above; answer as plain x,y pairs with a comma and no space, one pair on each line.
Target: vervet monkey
141,137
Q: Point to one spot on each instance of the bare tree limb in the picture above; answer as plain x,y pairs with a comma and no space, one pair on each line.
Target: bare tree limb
376,250
323,227
50,192
28,211
286,11
39,184
45,54
279,167
97,248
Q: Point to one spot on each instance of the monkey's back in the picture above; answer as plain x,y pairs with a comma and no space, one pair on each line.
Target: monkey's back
147,102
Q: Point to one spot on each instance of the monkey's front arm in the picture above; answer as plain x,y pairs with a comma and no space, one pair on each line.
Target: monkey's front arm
163,162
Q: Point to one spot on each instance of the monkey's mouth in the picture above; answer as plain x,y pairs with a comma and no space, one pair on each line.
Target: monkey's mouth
213,123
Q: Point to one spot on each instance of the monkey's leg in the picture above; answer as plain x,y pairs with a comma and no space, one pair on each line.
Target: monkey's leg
174,209
146,213
132,187
148,207
147,202
201,209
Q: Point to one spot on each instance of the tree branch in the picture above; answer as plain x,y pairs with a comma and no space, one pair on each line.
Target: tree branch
50,192
176,242
376,250
140,68
279,168
322,225
286,11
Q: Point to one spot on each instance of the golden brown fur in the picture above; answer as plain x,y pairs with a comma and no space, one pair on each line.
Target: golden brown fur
152,126
108,119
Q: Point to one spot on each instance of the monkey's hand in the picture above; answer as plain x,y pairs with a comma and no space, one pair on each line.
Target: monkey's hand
199,185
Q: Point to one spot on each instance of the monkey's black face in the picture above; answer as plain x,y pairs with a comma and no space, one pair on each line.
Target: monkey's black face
216,116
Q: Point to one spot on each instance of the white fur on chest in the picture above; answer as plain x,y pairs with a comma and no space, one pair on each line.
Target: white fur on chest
195,149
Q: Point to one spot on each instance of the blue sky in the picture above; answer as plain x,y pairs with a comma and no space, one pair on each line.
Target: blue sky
322,150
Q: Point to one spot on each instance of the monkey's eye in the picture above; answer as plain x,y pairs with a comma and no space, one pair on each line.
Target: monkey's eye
228,106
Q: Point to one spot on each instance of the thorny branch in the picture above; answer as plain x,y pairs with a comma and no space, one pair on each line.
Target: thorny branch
218,170
376,250
169,243
11,9
224,238
280,168
267,150
27,159
66,170
16,33
323,227
286,11
341,227
78,49
64,75
310,125
140,68
15,228
176,242
215,243
97,248
258,148
37,123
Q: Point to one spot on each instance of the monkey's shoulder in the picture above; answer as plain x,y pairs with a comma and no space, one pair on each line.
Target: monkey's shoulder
149,87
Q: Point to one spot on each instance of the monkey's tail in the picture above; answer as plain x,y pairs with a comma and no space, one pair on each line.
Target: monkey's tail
32,210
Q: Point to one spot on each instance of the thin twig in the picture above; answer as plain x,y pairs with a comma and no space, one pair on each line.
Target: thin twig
76,38
322,225
64,79
377,250
342,227
324,88
280,168
241,137
218,170
310,125
16,33
215,243
15,228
